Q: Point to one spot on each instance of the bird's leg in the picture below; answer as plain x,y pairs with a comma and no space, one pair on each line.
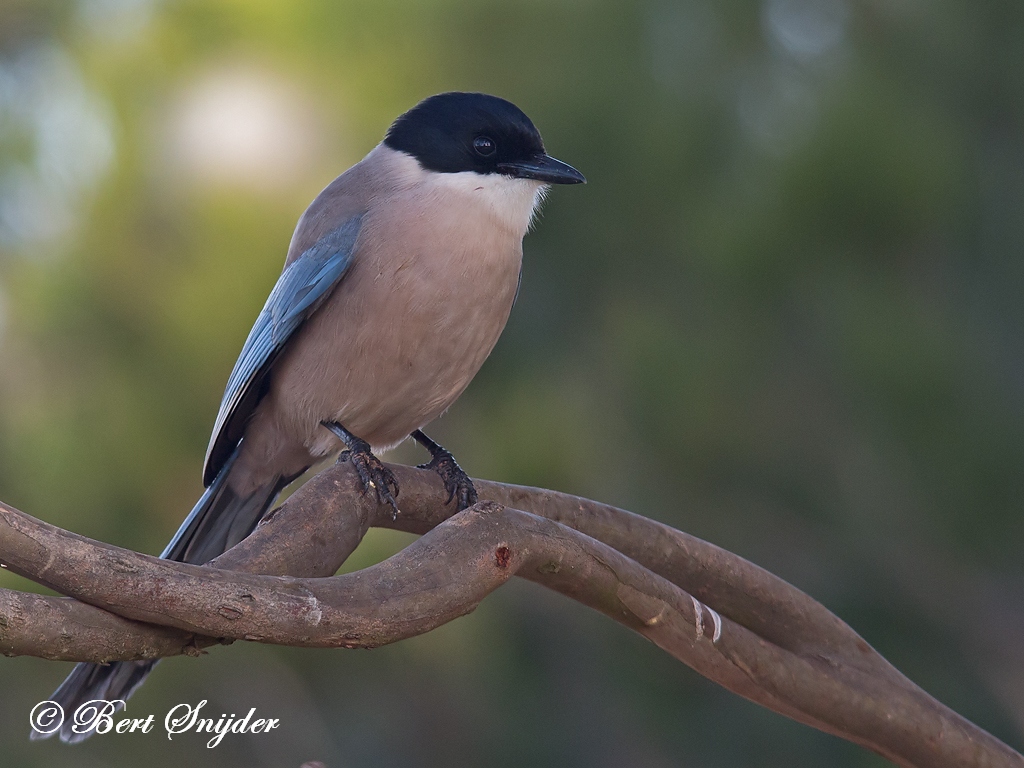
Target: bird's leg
456,481
373,474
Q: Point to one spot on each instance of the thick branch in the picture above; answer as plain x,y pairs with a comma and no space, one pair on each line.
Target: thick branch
791,656
61,629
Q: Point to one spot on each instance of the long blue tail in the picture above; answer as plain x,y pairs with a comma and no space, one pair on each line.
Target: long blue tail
219,520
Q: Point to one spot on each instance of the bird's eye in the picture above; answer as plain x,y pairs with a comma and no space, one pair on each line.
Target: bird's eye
483,146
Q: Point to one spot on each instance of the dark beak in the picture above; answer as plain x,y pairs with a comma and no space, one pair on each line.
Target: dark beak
543,168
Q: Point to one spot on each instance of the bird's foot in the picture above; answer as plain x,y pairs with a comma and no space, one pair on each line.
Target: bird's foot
376,478
456,481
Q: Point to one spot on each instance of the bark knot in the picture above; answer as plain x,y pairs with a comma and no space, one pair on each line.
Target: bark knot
230,612
502,556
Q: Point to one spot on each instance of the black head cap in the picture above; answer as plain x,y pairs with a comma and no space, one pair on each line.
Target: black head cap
454,132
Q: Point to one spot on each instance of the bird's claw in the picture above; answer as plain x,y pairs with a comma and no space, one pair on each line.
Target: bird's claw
376,478
456,481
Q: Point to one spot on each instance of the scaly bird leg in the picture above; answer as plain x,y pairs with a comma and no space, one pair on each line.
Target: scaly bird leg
373,474
456,481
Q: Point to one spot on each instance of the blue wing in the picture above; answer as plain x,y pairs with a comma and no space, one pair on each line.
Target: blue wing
302,287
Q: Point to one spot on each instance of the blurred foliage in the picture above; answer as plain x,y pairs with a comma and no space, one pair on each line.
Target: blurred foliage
784,315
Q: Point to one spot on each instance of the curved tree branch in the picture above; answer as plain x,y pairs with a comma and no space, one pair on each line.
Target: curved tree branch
725,617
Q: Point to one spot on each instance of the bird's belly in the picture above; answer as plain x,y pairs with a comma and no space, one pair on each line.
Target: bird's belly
397,345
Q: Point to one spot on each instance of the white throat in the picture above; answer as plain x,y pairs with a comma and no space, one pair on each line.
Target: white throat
513,202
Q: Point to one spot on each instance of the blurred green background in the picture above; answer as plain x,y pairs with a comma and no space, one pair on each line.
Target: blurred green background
785,315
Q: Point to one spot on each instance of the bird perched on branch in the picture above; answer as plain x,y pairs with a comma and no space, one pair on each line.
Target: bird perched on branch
398,281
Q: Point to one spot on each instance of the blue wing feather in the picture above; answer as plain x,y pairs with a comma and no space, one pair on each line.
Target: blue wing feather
302,287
